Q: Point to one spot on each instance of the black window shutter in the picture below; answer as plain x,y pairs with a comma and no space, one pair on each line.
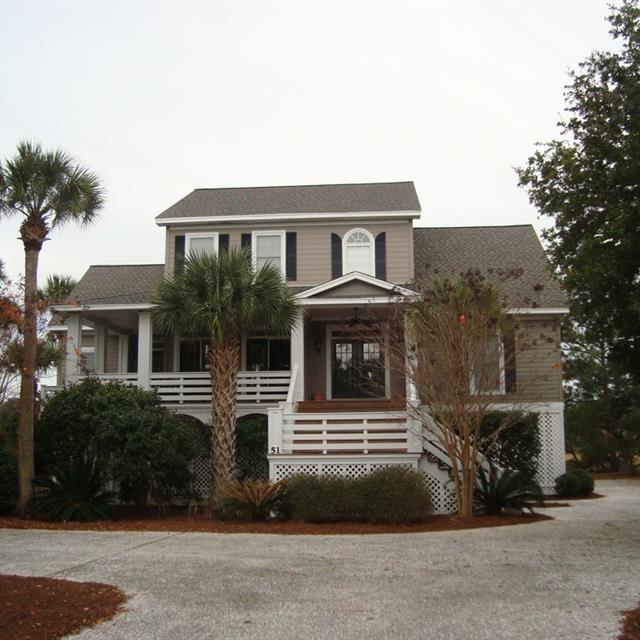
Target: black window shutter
292,256
223,242
336,256
509,346
245,241
381,256
178,255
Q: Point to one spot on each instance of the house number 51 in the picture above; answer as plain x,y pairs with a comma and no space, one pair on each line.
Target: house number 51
275,449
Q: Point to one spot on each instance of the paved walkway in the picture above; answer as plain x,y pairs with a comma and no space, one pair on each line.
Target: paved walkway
563,579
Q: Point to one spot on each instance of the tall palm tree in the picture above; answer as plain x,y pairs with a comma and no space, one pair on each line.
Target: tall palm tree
221,297
57,289
45,189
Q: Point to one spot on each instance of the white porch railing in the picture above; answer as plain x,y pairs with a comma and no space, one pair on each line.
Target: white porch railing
340,433
179,388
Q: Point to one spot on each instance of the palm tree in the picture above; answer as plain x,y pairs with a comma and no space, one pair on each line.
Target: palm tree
46,190
57,289
221,297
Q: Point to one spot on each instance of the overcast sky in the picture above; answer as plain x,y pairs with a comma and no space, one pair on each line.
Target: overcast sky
161,98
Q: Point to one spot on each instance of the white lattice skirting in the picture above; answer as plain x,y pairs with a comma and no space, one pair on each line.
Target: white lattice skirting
552,455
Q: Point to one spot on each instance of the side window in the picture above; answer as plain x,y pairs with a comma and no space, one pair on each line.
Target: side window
358,252
268,247
201,243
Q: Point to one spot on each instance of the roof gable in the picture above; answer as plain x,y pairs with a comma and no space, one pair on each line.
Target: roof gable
355,285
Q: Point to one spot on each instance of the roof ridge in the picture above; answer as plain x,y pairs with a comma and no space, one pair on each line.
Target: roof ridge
293,186
131,264
477,226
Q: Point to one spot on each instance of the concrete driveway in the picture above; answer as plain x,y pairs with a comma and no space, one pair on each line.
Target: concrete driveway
563,579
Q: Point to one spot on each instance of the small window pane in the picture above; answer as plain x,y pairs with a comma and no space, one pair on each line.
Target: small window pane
202,245
359,258
268,250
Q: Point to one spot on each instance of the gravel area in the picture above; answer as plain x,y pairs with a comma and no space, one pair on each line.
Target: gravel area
567,578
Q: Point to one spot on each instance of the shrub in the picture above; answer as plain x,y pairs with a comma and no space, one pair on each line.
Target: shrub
394,495
391,494
497,490
137,443
574,484
72,491
8,481
517,446
250,499
252,441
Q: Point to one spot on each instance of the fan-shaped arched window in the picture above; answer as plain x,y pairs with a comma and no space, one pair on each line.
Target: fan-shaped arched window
358,252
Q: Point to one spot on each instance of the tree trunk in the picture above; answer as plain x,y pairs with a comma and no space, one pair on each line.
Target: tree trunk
224,364
28,376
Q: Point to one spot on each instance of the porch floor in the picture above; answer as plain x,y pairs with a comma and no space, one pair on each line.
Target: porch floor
361,405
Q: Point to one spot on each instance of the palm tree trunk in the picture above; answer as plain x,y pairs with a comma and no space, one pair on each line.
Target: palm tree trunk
28,376
224,364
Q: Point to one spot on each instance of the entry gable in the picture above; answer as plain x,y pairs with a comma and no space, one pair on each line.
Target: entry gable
355,285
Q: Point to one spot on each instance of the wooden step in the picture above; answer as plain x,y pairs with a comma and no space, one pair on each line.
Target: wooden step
364,405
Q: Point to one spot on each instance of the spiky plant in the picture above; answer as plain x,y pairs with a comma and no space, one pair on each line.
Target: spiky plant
45,190
257,497
497,490
221,297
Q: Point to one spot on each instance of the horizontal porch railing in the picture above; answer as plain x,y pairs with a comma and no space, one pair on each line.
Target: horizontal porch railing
345,433
179,388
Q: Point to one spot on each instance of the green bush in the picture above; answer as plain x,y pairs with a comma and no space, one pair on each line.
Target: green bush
8,481
252,441
574,484
137,443
517,446
391,495
508,489
72,491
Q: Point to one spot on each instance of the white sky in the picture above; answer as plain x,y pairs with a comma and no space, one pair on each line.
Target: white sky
160,98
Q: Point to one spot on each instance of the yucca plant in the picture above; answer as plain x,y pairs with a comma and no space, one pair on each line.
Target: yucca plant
73,491
497,490
252,498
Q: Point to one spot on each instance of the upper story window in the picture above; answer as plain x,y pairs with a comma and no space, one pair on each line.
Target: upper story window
268,247
358,252
206,243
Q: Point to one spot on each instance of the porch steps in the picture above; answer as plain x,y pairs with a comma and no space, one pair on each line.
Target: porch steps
339,406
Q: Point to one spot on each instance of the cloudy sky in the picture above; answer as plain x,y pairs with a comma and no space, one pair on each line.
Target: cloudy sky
160,98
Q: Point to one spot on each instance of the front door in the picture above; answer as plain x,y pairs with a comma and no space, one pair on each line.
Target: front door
357,369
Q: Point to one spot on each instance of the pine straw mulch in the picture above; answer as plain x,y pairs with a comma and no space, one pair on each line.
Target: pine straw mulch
630,624
129,520
45,609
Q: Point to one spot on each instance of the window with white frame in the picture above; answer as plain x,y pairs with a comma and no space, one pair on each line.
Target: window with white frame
358,252
88,360
268,247
206,243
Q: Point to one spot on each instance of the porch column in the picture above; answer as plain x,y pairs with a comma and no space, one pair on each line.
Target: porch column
123,353
73,347
100,344
297,355
410,344
145,348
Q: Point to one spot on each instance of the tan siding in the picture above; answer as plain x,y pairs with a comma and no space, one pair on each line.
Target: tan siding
538,361
314,246
111,355
354,290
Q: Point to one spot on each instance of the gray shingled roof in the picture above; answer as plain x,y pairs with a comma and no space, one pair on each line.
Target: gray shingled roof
323,198
117,284
512,256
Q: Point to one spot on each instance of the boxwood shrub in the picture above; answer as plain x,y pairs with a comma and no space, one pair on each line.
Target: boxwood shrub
574,483
389,495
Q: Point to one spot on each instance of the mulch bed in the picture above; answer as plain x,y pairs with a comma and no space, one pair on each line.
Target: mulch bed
555,496
45,609
630,625
131,521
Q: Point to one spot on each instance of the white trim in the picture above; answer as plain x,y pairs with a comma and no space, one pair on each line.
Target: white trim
350,277
63,327
372,247
136,306
215,236
539,311
330,302
283,247
270,217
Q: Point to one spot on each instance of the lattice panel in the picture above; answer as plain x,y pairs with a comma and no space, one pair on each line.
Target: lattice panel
282,470
200,467
551,463
443,499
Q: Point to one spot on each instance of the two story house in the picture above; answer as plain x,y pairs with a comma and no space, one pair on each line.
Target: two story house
334,399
